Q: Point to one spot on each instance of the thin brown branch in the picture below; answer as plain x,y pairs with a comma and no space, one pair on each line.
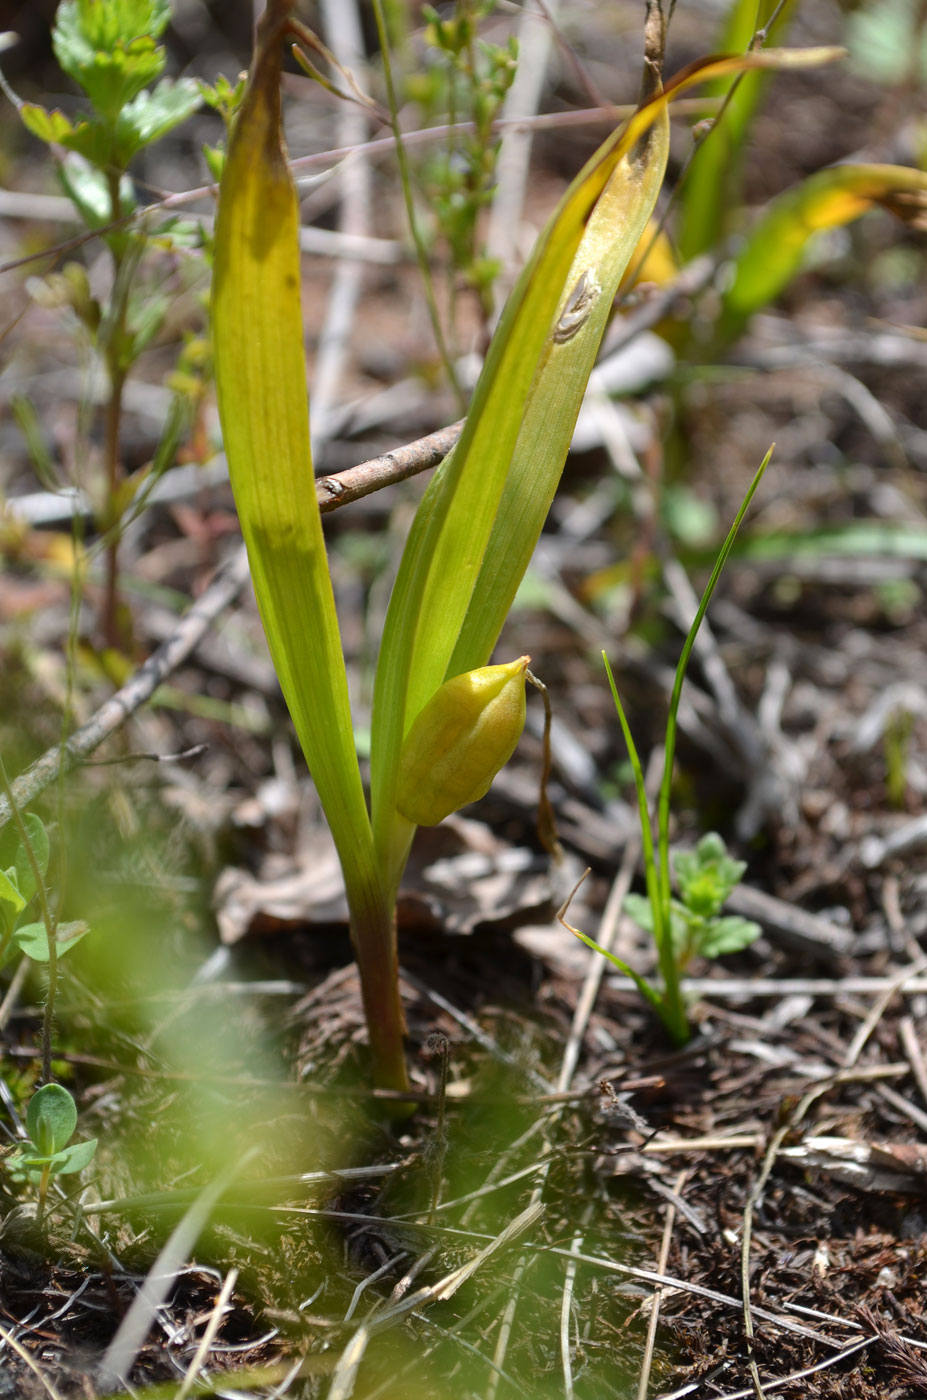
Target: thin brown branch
398,465
332,492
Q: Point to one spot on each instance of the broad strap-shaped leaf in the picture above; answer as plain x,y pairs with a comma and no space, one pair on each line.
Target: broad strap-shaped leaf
775,249
263,406
446,572
610,240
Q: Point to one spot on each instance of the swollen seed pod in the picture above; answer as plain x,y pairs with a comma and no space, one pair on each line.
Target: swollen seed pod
460,739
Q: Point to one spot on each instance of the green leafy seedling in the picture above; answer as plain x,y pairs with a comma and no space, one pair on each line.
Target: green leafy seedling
680,928
18,888
51,1119
111,50
705,878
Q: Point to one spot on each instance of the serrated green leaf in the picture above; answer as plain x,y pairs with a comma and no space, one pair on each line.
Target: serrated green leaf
706,875
38,839
51,1119
151,115
32,939
728,935
110,49
48,126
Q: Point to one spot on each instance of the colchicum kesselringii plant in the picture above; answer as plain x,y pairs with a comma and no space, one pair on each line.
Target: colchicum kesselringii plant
478,522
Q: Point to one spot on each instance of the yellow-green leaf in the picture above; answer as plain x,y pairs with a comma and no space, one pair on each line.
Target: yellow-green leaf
263,406
480,518
775,249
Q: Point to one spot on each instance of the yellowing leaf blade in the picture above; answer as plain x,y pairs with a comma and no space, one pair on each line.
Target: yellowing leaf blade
775,249
263,405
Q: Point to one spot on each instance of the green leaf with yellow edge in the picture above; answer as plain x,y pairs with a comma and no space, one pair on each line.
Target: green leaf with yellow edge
609,242
261,388
263,406
775,250
461,569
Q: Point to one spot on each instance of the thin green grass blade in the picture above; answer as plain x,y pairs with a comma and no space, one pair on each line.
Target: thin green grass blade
663,805
711,188
669,1005
641,983
646,822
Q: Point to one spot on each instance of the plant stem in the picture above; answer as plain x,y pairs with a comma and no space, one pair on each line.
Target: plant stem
373,934
50,921
43,1191
113,633
406,181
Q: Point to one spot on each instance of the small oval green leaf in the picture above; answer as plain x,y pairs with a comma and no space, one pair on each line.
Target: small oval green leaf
51,1119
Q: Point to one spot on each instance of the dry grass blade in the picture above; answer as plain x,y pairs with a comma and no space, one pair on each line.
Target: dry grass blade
132,1330
10,1341
345,1375
653,1321
209,1334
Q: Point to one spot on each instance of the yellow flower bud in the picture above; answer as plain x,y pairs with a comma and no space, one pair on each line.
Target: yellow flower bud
459,740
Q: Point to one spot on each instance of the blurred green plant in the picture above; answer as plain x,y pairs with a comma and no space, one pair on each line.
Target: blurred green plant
464,80
887,40
110,49
769,250
896,743
774,251
19,886
51,1121
711,194
690,925
44,940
